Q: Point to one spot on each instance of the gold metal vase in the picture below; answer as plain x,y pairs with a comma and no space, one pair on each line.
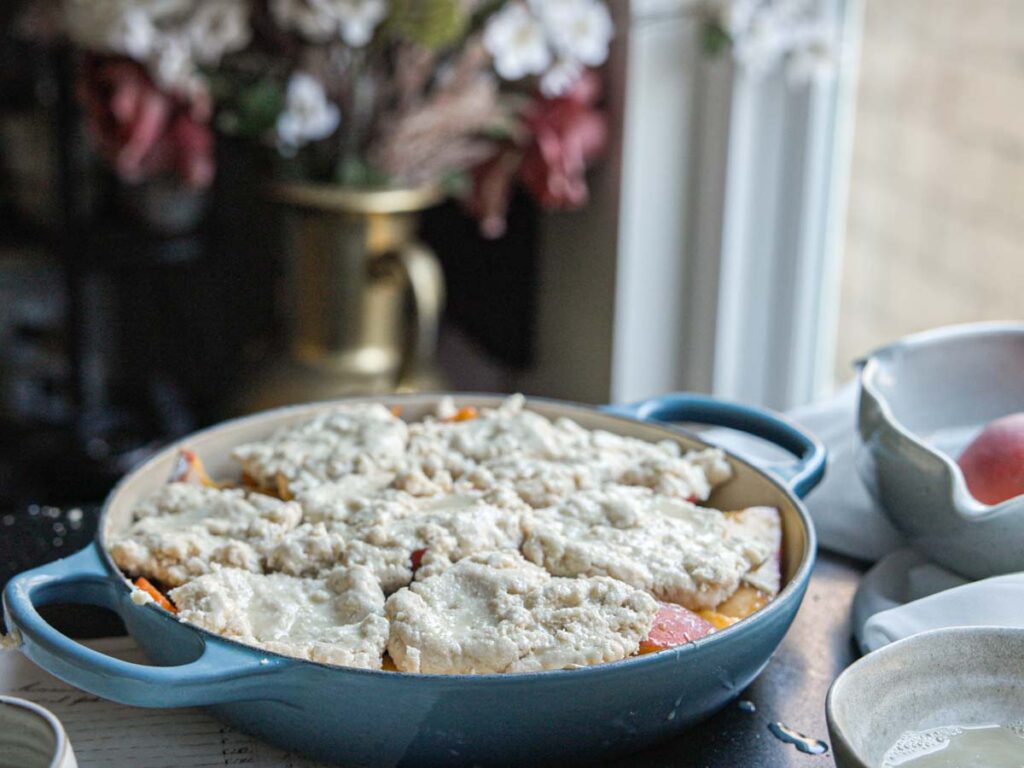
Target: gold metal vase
364,297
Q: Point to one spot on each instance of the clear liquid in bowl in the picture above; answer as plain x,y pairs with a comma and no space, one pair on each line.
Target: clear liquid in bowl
959,746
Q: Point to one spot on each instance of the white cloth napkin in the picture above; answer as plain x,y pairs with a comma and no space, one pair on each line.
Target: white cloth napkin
997,601
892,588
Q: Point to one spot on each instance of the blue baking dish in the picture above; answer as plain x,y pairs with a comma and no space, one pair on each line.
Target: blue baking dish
368,717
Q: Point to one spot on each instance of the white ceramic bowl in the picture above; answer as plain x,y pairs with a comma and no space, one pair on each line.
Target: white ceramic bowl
956,676
31,737
922,401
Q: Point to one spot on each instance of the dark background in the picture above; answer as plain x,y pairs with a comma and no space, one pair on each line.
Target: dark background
116,338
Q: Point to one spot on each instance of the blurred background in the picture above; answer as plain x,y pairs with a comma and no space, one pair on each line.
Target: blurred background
208,207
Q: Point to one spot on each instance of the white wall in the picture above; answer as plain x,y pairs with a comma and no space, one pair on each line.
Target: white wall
785,209
670,210
709,267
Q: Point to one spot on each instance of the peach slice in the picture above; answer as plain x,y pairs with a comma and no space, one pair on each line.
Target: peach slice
188,468
743,602
674,625
718,620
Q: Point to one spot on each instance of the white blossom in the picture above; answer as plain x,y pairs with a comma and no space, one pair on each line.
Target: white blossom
173,66
516,40
734,16
110,26
170,62
578,29
359,19
560,78
218,27
171,37
354,21
812,62
308,114
767,34
134,34
555,39
760,46
312,20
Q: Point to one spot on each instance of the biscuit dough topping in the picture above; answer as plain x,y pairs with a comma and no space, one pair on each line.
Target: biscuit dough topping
495,612
183,531
335,620
677,551
503,541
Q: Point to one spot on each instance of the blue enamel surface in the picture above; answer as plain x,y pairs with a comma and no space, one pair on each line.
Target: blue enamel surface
802,476
204,670
363,717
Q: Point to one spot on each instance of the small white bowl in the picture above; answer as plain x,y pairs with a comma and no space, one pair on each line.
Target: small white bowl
31,737
922,400
955,676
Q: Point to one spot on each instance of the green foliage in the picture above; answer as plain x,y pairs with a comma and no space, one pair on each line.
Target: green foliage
431,23
355,172
457,184
252,110
714,39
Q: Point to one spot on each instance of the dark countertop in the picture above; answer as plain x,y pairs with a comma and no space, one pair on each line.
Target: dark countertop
791,690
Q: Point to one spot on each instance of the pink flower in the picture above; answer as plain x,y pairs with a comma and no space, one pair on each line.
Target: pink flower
142,131
568,133
492,188
191,145
561,137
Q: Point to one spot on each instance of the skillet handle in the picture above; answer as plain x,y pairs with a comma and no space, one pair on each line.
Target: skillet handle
801,476
220,673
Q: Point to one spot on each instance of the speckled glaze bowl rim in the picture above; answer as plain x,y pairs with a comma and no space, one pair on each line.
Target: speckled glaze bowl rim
835,691
968,506
60,745
791,591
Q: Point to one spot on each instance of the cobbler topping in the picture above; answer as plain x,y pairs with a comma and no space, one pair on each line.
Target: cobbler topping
757,532
495,612
335,620
445,529
677,551
183,530
346,440
507,541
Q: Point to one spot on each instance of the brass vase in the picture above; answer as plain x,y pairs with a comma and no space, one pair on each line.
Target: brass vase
364,297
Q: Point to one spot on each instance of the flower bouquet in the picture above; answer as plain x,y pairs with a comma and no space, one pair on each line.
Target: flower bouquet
474,96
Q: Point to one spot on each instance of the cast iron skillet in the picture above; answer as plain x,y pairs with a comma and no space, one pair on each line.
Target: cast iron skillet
367,717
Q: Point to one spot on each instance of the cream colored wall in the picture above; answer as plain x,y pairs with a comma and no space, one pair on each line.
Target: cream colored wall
936,219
